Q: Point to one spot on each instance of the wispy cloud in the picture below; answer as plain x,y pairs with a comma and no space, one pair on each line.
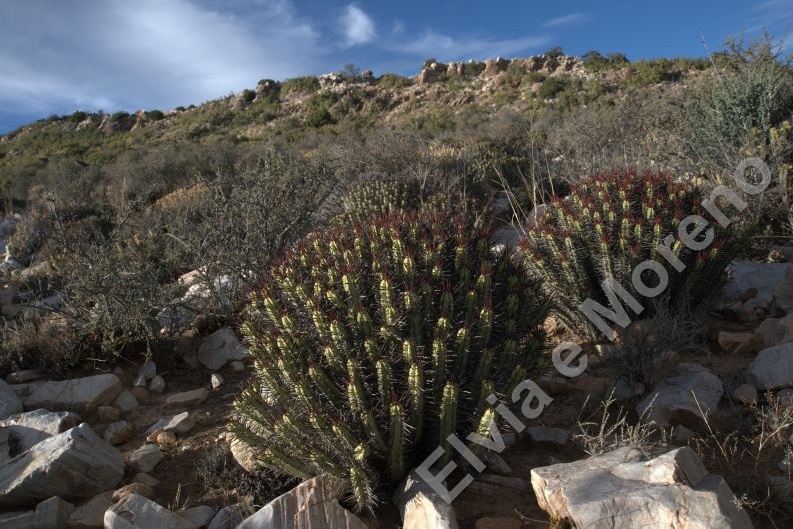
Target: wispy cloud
357,26
58,56
573,19
445,47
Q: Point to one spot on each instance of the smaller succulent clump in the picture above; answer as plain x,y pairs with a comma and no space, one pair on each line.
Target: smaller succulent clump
611,223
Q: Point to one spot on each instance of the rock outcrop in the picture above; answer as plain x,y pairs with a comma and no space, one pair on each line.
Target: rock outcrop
73,464
312,504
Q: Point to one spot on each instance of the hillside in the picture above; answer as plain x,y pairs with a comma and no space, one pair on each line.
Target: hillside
448,103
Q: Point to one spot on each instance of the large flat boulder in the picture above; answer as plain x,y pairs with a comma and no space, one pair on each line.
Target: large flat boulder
679,397
79,395
137,512
771,281
312,504
623,490
74,464
26,430
772,368
220,348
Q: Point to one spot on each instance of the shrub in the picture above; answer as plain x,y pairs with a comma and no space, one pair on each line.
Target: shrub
609,224
552,86
740,104
554,53
119,116
429,62
377,341
35,342
390,80
305,85
78,116
155,115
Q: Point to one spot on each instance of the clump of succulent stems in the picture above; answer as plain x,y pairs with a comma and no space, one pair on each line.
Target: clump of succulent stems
610,223
374,342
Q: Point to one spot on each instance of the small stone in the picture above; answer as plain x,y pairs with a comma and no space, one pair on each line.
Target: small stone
739,342
496,463
547,434
108,413
772,368
148,370
499,522
118,433
140,393
157,384
745,394
92,513
53,513
152,437
141,489
181,423
216,380
140,381
681,434
237,366
227,518
126,401
146,457
145,513
166,438
187,398
199,516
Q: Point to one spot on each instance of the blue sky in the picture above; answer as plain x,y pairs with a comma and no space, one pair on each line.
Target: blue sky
58,56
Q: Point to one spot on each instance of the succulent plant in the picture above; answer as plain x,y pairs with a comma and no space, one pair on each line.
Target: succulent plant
374,342
610,223
377,197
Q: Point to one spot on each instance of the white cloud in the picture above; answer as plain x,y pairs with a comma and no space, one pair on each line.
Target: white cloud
573,19
357,26
61,56
444,47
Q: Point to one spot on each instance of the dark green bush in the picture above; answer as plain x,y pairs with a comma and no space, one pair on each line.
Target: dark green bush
375,342
119,116
304,85
554,53
155,115
552,86
394,81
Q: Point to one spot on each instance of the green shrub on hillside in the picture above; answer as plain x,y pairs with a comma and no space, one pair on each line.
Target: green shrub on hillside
553,86
393,81
736,109
304,85
375,342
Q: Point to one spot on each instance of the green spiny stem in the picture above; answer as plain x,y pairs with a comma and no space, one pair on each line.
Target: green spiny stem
448,414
